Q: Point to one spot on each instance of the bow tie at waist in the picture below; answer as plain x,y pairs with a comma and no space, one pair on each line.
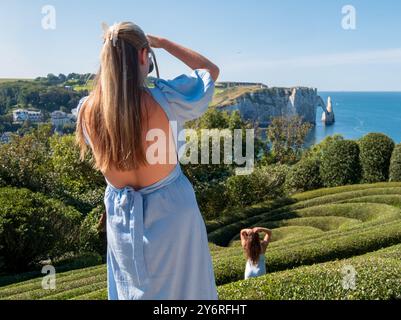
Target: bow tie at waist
125,238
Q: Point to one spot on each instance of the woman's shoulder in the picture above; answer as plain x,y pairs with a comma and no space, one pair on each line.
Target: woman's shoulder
188,95
81,103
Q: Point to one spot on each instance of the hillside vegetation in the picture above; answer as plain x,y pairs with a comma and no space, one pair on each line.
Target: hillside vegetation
316,236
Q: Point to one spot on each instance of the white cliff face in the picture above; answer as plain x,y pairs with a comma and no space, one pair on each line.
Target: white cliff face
262,105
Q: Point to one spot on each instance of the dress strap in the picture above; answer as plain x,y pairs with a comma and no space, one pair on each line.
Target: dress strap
85,132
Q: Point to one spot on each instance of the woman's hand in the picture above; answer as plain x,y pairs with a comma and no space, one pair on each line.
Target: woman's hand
246,231
268,234
155,41
191,58
261,229
256,229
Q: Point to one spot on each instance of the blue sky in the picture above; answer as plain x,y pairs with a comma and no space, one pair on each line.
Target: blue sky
277,42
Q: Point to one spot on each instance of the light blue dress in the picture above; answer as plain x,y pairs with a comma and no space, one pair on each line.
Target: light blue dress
252,271
157,245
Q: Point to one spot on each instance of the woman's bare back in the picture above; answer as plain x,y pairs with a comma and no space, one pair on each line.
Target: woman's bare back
147,175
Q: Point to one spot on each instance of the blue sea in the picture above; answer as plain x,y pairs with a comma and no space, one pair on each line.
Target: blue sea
358,113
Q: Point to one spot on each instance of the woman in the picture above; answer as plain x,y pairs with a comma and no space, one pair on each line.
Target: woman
255,250
157,246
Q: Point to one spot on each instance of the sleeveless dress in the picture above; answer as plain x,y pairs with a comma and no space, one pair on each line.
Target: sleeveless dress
157,245
252,270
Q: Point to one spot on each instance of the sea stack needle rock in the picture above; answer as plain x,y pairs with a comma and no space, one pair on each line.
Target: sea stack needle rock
328,114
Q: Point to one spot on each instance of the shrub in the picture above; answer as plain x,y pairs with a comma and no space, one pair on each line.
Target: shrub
304,176
229,264
317,150
264,183
378,277
50,165
340,164
25,161
209,197
71,173
375,155
34,227
64,263
395,164
92,239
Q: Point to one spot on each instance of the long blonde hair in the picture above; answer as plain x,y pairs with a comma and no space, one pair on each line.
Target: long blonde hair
115,104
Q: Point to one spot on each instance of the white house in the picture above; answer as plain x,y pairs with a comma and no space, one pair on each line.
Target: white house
5,137
21,115
60,118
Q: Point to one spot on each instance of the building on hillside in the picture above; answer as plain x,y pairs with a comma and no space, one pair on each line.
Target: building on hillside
5,137
231,84
60,118
21,115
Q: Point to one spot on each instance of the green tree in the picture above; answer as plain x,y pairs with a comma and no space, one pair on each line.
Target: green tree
34,227
264,183
25,162
340,164
304,176
316,151
375,155
287,136
71,173
395,164
215,119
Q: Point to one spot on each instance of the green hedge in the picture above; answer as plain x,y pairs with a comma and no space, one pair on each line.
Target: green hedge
377,277
92,239
34,227
264,183
340,164
65,282
221,231
234,215
304,176
310,195
375,155
395,164
229,266
209,197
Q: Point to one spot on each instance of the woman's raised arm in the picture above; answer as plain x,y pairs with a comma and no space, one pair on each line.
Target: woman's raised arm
191,58
243,234
268,233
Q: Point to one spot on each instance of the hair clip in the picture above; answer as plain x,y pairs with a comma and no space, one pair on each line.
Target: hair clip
112,30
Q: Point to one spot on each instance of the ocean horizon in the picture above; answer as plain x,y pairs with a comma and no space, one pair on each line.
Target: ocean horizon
358,113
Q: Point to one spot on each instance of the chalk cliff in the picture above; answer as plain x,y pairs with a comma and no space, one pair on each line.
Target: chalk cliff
261,104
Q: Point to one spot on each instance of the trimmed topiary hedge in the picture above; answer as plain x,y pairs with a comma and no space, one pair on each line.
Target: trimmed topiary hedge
395,164
377,276
229,265
375,155
340,164
34,227
304,176
324,225
264,183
